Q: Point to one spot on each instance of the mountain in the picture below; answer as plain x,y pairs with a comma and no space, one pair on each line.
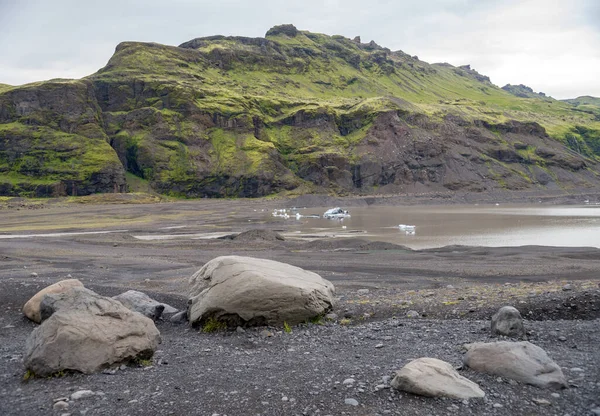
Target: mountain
294,111
523,91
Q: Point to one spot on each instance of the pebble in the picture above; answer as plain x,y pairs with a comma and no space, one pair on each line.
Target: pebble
561,338
379,346
348,381
555,395
284,399
82,394
497,405
596,411
33,274
362,291
351,402
60,406
577,370
541,401
412,314
567,287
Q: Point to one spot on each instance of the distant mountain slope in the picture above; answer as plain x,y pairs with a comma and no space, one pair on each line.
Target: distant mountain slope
235,116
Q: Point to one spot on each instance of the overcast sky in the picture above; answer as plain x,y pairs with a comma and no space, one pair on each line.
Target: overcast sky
550,45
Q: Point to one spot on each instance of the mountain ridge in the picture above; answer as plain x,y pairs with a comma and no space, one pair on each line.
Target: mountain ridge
294,112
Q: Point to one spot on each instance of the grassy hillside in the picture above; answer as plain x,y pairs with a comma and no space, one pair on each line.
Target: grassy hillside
224,116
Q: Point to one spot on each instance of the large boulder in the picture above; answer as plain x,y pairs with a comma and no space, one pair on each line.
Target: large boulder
32,307
83,331
435,378
250,291
144,304
508,322
520,361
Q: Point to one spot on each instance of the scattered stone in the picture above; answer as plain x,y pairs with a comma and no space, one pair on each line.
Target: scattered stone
257,291
577,370
144,304
497,405
179,318
83,331
555,395
362,291
32,307
434,378
60,405
520,361
379,346
348,381
567,287
412,314
508,322
561,338
82,394
33,274
541,402
351,402
331,316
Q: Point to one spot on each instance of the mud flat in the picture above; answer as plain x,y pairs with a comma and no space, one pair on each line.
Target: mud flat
270,372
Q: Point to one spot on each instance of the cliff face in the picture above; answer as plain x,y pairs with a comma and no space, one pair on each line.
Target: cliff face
232,116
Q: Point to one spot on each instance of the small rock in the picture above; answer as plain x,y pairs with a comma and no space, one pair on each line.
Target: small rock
362,291
541,401
331,316
412,314
82,394
348,381
555,395
351,402
449,287
508,322
429,294
379,346
561,338
33,274
596,411
497,405
567,287
265,333
240,330
61,405
284,399
179,317
577,370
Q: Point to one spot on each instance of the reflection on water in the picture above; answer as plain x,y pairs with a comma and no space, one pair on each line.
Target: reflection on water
481,225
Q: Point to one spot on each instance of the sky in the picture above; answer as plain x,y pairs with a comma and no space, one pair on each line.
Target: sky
552,46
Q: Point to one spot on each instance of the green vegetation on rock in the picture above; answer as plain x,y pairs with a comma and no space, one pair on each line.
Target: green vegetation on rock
233,116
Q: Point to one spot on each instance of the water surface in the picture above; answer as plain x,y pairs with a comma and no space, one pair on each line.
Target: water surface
481,225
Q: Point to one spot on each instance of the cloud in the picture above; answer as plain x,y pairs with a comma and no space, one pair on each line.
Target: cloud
550,45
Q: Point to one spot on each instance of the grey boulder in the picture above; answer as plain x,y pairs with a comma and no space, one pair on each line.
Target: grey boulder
435,378
83,331
31,309
144,304
520,361
508,322
251,291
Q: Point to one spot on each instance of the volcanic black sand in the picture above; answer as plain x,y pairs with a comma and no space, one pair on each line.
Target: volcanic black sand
271,372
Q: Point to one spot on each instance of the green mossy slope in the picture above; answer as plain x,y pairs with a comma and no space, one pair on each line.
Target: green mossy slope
234,116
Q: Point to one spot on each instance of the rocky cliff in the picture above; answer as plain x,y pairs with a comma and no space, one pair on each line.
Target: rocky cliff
234,116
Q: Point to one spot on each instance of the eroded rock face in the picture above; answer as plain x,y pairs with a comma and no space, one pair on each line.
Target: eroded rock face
435,378
32,307
520,361
250,291
83,331
508,322
144,304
